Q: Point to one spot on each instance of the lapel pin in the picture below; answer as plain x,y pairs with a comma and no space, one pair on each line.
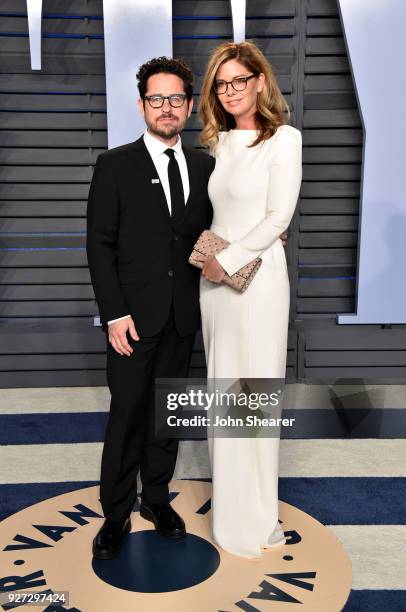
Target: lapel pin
155,180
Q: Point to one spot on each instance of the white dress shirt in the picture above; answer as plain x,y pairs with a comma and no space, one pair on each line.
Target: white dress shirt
157,149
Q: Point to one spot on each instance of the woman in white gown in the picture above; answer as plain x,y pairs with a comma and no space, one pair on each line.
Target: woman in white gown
254,190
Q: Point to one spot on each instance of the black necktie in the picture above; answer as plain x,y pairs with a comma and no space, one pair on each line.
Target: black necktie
176,187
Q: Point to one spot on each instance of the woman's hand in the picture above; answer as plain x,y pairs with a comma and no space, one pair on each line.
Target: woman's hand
212,270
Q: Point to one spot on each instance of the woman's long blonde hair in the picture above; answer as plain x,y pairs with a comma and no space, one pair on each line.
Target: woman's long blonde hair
271,104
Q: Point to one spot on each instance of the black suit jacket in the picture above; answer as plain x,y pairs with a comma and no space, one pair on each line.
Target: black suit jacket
138,260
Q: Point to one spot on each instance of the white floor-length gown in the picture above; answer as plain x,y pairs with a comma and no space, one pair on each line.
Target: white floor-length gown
254,192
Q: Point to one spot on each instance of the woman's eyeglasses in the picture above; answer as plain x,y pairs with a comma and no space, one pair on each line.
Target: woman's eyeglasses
238,84
175,100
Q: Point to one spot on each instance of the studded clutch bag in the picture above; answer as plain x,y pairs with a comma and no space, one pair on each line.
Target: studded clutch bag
209,244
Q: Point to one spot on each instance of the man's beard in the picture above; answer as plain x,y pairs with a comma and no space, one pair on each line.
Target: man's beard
170,131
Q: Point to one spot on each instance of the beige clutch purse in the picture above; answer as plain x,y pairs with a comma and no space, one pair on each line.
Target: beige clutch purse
210,244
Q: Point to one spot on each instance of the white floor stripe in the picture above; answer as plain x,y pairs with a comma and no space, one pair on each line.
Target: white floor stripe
54,399
49,462
300,458
358,457
97,399
378,554
315,458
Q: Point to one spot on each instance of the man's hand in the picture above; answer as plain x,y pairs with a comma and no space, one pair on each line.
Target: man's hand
118,335
284,238
212,270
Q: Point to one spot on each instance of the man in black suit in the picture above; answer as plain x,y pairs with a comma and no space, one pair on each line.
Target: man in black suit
147,206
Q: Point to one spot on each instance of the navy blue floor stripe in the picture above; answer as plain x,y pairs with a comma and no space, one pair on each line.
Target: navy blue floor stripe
348,500
52,428
15,497
376,601
332,501
69,427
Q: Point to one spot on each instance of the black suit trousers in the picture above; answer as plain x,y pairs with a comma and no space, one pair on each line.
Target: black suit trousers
130,443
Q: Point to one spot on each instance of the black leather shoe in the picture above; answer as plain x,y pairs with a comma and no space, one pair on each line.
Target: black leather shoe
107,543
166,520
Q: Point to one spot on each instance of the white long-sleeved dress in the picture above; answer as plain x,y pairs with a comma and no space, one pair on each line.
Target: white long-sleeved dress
254,192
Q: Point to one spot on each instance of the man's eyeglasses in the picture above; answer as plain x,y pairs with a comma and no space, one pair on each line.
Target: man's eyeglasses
238,84
175,100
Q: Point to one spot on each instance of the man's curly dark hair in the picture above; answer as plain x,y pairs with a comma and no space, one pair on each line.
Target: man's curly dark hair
168,66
